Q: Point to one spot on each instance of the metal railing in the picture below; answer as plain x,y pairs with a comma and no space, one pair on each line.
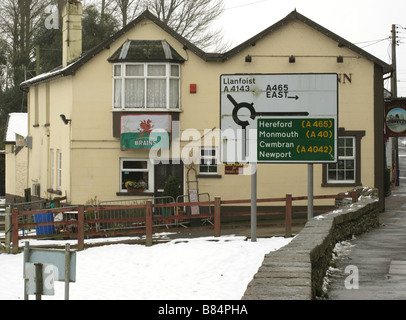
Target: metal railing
206,209
5,224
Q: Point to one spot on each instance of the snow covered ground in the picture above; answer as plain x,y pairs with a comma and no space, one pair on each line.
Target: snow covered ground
183,269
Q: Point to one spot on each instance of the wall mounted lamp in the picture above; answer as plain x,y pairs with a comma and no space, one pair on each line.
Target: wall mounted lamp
248,58
292,59
65,121
340,59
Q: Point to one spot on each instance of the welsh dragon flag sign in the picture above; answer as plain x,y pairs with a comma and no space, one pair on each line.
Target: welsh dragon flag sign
20,140
146,132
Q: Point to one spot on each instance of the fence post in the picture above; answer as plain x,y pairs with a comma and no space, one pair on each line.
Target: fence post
14,221
7,229
148,223
217,216
288,216
81,227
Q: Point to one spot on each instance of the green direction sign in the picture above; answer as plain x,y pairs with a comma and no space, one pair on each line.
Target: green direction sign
294,140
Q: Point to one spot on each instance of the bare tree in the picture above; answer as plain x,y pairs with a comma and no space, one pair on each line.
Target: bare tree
20,18
192,19
128,9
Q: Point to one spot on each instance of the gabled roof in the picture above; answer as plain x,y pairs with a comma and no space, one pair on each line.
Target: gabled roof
86,56
146,51
209,57
294,15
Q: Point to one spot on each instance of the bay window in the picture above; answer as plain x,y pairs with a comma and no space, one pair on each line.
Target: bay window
146,86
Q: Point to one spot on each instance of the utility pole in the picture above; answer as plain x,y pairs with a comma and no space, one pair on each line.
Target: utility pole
394,84
394,89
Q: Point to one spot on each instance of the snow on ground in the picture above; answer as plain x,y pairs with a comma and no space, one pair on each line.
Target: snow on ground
183,269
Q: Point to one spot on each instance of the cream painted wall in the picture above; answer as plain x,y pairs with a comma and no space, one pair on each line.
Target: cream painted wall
49,132
91,155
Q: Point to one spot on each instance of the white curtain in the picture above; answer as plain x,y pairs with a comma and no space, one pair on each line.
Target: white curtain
146,90
174,93
134,93
117,93
156,93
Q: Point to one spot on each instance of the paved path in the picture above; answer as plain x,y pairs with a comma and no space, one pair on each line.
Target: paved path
379,256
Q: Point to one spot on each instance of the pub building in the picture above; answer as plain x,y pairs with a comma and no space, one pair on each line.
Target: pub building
146,104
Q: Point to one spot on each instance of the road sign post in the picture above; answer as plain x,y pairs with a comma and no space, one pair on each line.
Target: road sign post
49,265
254,175
310,188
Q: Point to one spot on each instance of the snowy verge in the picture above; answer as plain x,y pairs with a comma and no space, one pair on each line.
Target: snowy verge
205,268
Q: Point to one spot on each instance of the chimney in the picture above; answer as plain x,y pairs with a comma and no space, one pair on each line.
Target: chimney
71,31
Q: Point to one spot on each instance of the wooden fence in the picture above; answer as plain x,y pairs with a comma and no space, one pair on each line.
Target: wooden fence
82,222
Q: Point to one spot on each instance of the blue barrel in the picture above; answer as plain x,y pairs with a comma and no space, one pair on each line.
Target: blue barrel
44,217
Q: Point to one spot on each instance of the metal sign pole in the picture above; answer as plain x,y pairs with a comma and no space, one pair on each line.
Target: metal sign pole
310,191
25,259
253,202
67,270
38,280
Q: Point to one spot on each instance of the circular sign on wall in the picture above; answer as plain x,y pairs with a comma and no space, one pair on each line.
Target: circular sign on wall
395,118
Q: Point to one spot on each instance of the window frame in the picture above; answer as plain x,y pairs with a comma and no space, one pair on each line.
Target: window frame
168,77
149,169
344,158
357,135
59,168
215,157
52,168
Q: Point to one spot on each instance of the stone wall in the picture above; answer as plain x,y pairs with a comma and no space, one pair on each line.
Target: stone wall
296,271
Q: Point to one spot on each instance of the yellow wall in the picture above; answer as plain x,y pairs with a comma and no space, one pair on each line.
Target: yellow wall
91,154
49,132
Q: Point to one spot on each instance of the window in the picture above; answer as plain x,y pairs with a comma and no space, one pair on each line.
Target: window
59,176
347,170
36,107
344,170
137,171
47,103
146,86
52,168
208,161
